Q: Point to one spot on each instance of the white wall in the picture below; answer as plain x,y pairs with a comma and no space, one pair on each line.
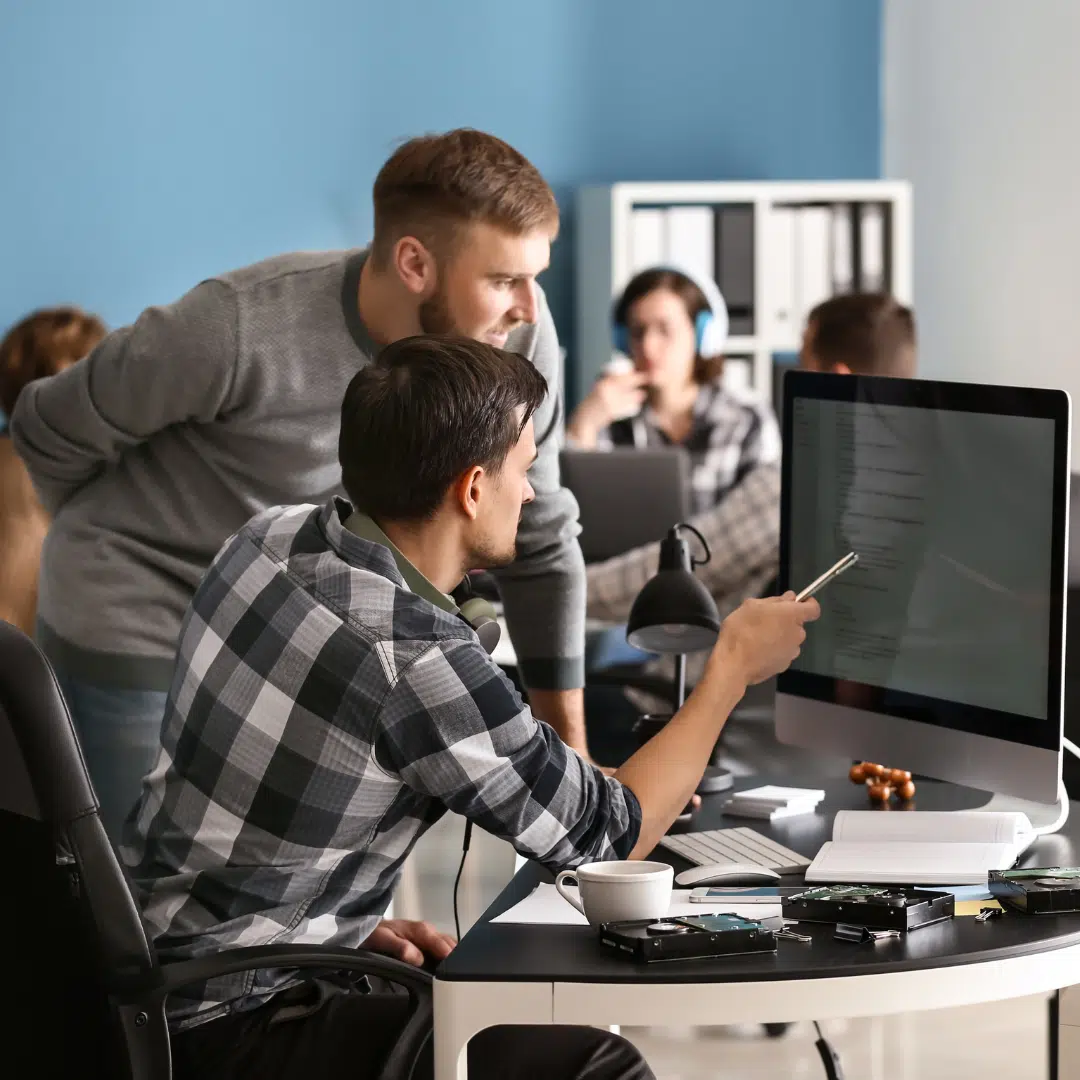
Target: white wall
982,113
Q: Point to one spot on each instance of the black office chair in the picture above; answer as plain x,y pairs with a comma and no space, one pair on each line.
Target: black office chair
70,917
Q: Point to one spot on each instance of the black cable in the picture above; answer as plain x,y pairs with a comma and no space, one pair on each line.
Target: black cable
830,1059
457,880
704,544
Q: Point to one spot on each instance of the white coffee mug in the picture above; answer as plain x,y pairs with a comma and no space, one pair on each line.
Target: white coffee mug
619,891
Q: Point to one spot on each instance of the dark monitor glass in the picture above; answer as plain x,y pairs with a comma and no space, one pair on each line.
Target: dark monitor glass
954,497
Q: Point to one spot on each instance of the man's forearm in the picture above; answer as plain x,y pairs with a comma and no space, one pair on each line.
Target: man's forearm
564,710
665,771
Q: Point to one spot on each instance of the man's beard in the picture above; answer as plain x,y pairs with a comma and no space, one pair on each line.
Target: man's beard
435,318
434,315
487,557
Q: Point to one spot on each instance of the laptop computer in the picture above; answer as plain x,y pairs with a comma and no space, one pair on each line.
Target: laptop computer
627,497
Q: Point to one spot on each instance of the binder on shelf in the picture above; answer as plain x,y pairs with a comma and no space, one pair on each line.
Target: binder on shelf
735,265
813,262
843,248
648,238
738,373
690,239
872,247
780,266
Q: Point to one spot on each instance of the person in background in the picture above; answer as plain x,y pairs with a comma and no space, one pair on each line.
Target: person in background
860,334
176,430
857,333
40,345
330,703
673,327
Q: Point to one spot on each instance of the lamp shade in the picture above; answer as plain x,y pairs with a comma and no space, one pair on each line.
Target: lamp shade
674,612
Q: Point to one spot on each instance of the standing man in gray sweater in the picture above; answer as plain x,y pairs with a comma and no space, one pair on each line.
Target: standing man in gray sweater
175,431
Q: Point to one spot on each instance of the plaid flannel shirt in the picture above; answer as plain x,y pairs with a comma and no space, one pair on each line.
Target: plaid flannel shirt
732,431
743,534
322,716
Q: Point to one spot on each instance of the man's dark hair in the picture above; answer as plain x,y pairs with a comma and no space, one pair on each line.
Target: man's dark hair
426,410
871,333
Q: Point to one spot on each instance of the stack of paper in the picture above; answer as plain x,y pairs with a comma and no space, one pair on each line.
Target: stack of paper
772,803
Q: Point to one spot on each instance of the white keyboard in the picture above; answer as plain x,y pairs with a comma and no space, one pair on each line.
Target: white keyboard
735,846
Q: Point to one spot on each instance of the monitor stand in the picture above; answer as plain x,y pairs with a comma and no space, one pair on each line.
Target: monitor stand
1044,817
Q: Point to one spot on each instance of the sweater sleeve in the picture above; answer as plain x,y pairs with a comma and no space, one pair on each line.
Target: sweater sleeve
544,590
173,364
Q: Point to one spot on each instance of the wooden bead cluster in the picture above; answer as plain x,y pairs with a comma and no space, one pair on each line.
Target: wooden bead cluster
882,783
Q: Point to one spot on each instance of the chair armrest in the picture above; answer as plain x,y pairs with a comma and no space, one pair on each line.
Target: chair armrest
362,961
401,1061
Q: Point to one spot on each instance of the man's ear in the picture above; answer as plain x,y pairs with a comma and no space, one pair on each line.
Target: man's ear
415,266
469,490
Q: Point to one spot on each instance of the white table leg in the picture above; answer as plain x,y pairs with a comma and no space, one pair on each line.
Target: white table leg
464,1008
1069,1034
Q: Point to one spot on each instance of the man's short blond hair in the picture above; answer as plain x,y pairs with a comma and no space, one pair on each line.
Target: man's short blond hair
434,184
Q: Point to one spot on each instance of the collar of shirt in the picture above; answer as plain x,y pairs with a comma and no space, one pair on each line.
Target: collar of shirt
364,527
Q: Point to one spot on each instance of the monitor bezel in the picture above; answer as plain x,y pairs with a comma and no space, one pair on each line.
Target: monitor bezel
1044,733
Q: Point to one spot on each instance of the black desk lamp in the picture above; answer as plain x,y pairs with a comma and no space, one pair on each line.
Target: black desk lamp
675,614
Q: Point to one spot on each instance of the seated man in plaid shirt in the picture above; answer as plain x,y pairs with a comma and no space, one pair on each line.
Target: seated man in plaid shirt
329,704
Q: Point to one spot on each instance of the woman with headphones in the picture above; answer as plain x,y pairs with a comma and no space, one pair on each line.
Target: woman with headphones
673,327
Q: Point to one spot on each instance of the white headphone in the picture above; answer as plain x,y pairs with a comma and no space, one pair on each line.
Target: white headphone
710,326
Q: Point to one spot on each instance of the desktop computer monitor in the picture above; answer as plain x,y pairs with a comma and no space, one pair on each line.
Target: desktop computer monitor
941,650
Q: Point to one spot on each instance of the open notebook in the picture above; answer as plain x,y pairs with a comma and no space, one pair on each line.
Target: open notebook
920,848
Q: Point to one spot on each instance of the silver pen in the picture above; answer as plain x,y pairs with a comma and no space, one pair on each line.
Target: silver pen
850,559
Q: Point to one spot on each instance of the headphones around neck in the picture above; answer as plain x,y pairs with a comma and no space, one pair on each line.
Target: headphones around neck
474,611
478,613
710,326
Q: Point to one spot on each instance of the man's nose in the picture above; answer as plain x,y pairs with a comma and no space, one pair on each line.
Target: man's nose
525,306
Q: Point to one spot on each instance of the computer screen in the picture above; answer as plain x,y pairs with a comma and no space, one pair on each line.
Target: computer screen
954,497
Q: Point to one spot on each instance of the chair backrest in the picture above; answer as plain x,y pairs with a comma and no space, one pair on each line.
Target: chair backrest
45,792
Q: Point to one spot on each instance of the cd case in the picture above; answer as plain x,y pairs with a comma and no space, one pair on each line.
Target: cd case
691,937
1043,890
877,907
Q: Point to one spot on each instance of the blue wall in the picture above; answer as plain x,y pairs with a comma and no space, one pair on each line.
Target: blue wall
144,146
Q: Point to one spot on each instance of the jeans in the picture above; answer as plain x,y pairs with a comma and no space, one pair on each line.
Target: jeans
120,733
348,1036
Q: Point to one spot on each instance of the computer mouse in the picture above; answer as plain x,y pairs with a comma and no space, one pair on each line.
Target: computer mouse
727,874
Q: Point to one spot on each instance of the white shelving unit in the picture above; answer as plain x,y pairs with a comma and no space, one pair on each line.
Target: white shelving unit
607,233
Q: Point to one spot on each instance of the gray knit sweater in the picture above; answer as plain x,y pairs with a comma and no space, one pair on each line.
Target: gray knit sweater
162,443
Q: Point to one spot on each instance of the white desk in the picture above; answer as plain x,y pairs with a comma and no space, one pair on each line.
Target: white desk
514,974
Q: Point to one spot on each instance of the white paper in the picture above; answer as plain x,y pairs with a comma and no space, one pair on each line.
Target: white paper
780,795
940,826
902,862
545,907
